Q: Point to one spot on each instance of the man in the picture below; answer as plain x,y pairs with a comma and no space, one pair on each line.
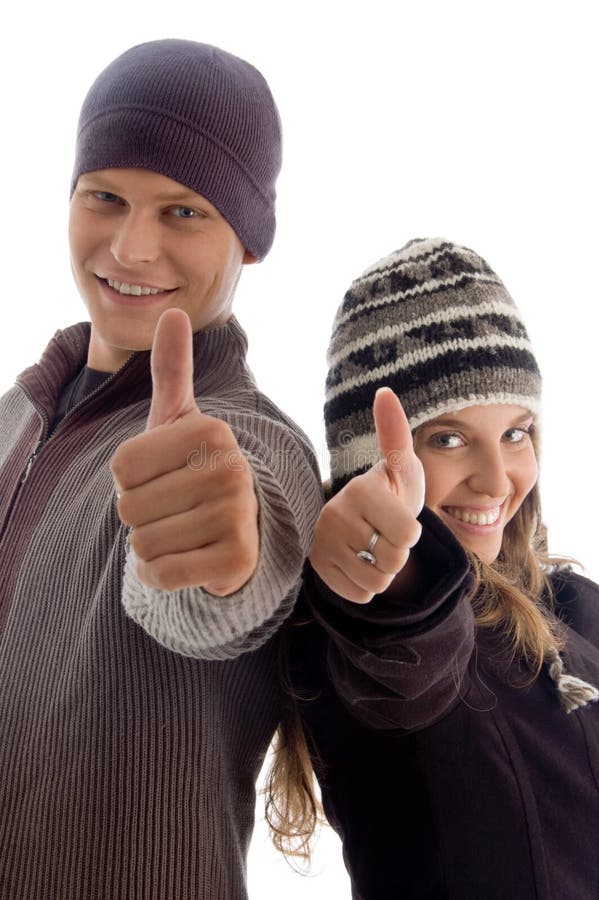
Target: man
153,521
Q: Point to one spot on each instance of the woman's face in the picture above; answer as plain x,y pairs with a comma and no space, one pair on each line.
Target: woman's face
479,464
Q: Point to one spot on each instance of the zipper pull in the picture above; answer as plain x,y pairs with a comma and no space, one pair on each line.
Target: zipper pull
31,461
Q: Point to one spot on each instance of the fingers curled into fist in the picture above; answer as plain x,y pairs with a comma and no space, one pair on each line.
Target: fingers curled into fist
385,500
184,486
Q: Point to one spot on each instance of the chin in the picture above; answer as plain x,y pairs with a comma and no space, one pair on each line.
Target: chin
486,556
488,559
130,339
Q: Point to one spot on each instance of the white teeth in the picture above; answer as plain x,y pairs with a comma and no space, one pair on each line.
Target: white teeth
136,289
482,518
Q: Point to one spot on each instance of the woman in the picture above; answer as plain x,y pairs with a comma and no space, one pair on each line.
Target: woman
444,664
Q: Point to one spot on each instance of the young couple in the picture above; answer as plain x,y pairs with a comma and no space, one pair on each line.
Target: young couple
438,666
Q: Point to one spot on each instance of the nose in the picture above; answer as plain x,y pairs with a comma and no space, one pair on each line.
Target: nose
490,475
136,239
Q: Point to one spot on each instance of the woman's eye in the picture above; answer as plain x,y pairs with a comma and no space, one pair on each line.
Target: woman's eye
447,439
515,435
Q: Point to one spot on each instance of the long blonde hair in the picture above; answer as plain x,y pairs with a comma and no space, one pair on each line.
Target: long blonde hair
513,595
292,809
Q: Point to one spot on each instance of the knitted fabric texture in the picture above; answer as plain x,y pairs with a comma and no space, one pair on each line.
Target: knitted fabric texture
196,114
435,323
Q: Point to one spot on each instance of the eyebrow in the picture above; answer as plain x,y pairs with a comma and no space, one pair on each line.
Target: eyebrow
190,196
458,423
162,197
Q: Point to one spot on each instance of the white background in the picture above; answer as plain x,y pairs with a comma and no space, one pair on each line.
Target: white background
468,120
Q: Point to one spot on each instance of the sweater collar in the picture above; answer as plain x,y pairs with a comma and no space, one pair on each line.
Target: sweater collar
219,361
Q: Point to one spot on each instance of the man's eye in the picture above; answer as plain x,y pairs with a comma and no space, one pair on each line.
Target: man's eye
184,212
106,196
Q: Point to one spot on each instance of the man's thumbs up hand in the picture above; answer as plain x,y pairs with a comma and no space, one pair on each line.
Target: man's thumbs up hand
172,369
185,487
385,500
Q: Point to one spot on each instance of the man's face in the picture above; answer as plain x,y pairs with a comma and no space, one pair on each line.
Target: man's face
142,243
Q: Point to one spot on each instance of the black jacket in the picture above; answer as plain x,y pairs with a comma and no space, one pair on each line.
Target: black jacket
445,775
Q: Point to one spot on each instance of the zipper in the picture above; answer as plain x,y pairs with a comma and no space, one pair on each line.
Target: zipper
50,434
47,436
31,461
25,475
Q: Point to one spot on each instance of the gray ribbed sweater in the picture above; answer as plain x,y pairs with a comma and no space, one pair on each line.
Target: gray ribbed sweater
126,769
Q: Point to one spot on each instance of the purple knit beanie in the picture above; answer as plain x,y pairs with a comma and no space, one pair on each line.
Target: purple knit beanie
196,114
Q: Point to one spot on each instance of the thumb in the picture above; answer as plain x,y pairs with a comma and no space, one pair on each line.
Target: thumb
172,369
397,447
392,429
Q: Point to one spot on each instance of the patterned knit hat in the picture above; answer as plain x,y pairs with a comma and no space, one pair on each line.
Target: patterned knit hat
197,115
433,322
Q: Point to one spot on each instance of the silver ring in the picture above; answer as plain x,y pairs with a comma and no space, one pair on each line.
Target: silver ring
367,555
372,542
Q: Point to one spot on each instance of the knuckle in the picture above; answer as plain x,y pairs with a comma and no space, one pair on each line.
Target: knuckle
245,553
238,521
331,517
116,463
361,597
163,575
140,545
125,510
416,533
360,484
381,582
122,462
401,558
320,563
221,590
230,470
235,471
217,431
248,558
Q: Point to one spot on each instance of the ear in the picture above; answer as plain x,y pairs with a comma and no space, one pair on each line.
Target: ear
249,259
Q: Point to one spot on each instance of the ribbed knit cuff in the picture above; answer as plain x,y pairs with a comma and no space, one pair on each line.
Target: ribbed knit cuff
195,623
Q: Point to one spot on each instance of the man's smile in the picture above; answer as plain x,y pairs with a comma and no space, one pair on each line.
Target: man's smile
124,287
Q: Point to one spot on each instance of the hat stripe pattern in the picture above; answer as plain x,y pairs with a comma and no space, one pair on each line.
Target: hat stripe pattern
414,363
356,306
444,315
435,323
